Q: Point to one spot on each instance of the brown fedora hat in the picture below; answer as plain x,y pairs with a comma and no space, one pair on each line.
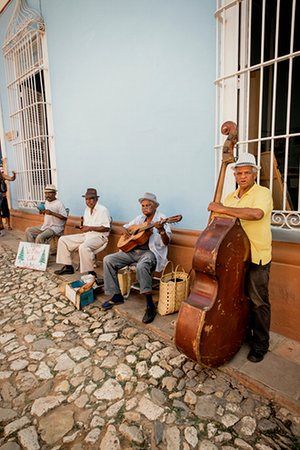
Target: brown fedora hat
91,193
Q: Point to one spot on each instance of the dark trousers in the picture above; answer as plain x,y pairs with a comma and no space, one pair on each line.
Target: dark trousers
257,289
4,208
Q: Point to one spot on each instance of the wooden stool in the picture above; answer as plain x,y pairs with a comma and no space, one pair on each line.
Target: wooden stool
53,241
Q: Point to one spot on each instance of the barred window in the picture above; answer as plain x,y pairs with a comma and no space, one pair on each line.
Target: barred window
29,106
258,86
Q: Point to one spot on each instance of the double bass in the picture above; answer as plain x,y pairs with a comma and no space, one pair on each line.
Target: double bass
212,321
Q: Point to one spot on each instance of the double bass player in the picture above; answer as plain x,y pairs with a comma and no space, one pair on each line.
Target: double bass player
253,205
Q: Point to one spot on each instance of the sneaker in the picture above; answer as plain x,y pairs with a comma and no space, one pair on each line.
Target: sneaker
255,356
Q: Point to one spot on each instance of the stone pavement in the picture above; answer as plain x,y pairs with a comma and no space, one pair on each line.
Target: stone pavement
95,380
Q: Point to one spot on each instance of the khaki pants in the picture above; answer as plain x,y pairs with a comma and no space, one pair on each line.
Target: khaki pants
35,234
86,244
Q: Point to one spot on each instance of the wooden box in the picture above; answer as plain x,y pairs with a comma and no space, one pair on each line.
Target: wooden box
79,300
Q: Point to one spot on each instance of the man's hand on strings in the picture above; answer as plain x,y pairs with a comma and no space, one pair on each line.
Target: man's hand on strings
160,226
126,232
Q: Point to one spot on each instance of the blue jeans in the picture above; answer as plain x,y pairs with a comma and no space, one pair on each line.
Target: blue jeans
146,262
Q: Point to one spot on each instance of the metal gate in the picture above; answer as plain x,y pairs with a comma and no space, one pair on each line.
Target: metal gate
29,105
257,85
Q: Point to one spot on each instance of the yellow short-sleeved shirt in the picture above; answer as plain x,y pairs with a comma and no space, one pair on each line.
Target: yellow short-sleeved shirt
258,231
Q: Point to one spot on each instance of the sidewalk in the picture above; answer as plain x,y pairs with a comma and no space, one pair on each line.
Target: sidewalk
277,377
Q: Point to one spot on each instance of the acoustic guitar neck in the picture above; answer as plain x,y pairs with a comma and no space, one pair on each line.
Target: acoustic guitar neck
143,227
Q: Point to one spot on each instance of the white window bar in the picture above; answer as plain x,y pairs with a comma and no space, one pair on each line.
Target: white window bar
288,116
243,84
226,13
274,94
257,66
29,104
285,217
261,84
247,73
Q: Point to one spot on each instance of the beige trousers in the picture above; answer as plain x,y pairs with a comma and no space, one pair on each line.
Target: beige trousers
86,244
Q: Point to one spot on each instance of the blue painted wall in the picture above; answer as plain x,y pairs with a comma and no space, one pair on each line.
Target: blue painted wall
133,102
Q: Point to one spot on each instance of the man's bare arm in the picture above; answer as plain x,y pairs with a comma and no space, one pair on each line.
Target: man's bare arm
52,213
9,178
240,213
101,229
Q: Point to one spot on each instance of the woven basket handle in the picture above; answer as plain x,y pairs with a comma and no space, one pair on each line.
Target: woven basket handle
172,268
179,266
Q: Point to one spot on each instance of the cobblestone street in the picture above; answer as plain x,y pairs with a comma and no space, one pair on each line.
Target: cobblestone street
91,380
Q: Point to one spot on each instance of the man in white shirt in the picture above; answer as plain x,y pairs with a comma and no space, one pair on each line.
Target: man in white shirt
95,230
55,216
149,257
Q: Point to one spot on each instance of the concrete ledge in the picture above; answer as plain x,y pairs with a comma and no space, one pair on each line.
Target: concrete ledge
284,235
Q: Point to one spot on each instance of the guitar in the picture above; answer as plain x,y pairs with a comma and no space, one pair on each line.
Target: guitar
139,234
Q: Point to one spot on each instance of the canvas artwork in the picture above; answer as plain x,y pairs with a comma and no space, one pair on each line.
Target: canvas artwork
32,256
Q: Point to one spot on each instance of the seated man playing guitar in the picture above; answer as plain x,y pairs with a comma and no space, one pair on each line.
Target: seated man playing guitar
150,255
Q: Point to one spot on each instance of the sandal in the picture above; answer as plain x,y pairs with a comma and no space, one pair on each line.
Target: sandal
110,304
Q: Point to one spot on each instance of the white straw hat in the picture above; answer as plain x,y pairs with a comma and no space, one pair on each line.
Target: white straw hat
149,196
50,188
246,159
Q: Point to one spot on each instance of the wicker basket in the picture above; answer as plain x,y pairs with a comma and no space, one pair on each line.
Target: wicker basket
173,289
126,277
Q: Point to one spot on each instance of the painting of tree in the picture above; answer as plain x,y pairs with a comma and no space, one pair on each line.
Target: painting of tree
32,256
21,254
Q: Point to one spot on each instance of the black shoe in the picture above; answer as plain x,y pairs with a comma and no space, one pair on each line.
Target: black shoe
255,356
117,299
149,315
99,282
92,272
65,270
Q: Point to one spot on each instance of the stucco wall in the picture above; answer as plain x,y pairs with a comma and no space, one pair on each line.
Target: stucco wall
133,102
